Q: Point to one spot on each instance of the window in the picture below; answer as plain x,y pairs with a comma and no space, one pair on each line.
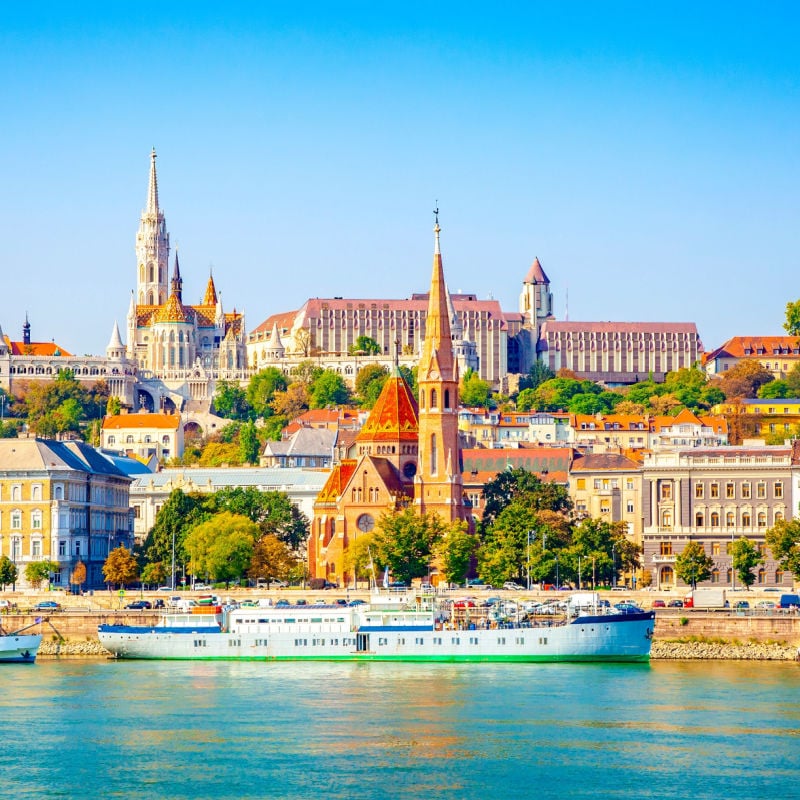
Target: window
62,548
630,506
746,519
745,489
762,519
730,491
778,489
666,519
730,519
714,548
581,484
36,520
699,519
666,491
629,485
699,491
714,490
665,548
761,491
714,519
16,520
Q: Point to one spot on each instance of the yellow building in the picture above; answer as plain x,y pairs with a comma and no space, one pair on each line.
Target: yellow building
64,502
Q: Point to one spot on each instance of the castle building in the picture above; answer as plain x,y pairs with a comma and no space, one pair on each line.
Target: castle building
404,453
180,349
778,354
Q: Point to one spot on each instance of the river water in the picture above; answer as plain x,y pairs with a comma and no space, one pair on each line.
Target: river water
93,728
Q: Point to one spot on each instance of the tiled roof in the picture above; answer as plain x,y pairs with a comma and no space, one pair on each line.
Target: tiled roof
35,349
536,273
140,421
394,415
337,480
738,347
556,326
602,461
174,311
555,460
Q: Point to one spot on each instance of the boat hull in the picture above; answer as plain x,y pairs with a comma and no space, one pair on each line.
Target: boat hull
614,639
19,649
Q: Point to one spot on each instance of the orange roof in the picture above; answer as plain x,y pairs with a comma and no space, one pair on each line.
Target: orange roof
337,480
139,421
395,413
35,349
757,346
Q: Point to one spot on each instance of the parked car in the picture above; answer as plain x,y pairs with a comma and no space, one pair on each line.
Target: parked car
741,605
282,603
340,601
790,602
47,605
765,605
659,604
628,608
675,604
301,602
332,585
513,587
357,602
139,605
202,587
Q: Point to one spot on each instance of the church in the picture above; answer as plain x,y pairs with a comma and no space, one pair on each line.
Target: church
180,349
405,454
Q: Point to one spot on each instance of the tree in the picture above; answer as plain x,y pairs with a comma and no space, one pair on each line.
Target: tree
504,553
744,379
291,403
366,345
516,483
306,372
8,572
405,541
693,565
792,324
358,558
272,559
369,383
539,373
154,574
473,391
120,567
261,390
221,548
230,401
249,444
78,576
216,454
113,407
745,559
173,521
783,540
526,400
329,389
62,405
36,572
774,390
456,551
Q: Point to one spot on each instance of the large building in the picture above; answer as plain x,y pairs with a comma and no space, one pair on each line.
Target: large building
406,453
180,349
64,502
778,354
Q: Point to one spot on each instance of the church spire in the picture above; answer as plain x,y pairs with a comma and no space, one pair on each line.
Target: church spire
210,297
177,282
152,189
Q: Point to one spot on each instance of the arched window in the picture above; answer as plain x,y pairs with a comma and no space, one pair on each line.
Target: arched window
778,515
666,519
762,519
746,519
16,493
447,398
730,519
422,398
699,519
433,453
129,439
433,398
714,519
715,575
36,493
59,492
761,576
729,575
778,576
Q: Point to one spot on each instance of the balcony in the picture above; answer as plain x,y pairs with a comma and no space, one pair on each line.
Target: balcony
662,559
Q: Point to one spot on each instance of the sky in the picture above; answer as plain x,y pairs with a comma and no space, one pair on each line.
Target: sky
646,153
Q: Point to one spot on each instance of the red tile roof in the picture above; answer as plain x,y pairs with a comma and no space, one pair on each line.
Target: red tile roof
35,349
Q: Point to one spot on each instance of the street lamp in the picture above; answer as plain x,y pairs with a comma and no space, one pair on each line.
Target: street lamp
558,585
613,564
733,571
531,535
173,559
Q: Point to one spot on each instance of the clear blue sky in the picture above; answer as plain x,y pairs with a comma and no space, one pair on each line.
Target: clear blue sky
646,153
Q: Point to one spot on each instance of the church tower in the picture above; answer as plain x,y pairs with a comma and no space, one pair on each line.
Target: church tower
438,487
536,300
152,248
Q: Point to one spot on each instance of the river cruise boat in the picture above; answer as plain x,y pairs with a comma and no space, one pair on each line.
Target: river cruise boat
391,627
19,647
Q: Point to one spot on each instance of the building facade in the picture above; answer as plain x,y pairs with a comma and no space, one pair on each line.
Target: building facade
778,354
64,502
144,435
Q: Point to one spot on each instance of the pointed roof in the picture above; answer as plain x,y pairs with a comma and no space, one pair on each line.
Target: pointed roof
395,414
210,297
152,188
173,311
536,273
177,281
337,480
437,325
115,343
274,344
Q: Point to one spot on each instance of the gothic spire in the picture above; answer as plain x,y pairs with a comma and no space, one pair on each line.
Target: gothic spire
210,297
152,189
26,331
176,286
437,326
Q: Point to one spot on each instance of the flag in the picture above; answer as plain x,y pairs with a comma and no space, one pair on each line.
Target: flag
37,620
386,578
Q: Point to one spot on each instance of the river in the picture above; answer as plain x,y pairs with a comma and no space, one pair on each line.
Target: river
77,728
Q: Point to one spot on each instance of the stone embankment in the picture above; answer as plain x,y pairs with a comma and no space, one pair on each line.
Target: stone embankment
730,651
73,647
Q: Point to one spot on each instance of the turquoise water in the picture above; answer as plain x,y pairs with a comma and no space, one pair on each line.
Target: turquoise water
78,728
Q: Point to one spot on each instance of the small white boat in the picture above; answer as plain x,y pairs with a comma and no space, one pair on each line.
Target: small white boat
18,647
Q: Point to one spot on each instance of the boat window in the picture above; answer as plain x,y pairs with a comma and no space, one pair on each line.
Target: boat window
501,640
455,640
542,640
418,640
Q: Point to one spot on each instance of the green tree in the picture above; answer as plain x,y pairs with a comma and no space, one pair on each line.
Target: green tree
154,574
693,565
783,540
774,390
369,383
261,390
745,559
792,324
456,551
539,373
744,379
37,572
62,405
120,567
272,559
306,372
366,345
230,401
405,542
526,400
249,444
410,377
221,548
8,572
511,484
329,389
358,564
173,521
504,552
473,391
113,407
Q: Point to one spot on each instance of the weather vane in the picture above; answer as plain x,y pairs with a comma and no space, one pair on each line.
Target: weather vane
436,212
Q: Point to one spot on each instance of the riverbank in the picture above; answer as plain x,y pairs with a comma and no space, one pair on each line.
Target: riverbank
662,650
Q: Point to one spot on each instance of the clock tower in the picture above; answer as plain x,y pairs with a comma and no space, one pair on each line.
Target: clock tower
438,487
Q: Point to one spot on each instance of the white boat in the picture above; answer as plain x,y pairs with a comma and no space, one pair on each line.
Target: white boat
19,647
389,628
